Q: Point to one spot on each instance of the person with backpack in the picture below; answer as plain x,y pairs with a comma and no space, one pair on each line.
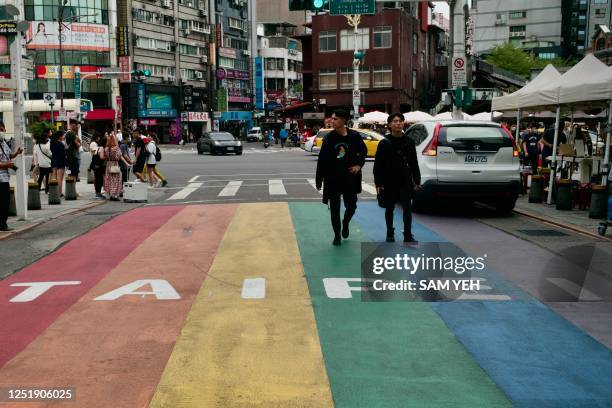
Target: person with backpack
150,149
396,175
42,153
158,157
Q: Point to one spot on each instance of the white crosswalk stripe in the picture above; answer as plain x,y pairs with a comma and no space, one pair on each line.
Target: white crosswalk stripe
231,188
182,194
276,187
218,187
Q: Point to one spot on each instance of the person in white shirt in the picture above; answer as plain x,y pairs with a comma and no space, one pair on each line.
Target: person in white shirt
42,152
6,163
151,162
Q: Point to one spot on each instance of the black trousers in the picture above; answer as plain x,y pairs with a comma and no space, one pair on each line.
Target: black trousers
99,179
43,174
5,202
402,196
350,206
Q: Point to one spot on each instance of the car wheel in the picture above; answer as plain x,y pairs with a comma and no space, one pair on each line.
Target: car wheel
200,151
505,207
238,153
212,152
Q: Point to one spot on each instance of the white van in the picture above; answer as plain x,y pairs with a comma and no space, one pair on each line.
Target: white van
467,160
255,135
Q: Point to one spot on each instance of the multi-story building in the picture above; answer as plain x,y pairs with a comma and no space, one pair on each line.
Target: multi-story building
87,45
282,57
397,72
170,38
272,11
535,26
602,44
600,14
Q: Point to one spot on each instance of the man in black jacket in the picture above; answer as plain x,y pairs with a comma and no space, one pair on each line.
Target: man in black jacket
341,159
397,175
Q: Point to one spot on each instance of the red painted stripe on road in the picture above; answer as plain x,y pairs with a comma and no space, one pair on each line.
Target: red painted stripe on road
86,259
113,352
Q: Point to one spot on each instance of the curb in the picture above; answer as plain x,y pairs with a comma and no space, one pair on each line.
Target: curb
561,225
53,217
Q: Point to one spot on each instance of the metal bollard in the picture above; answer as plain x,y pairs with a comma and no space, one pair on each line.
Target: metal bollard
12,207
535,191
599,201
70,193
54,195
564,195
33,196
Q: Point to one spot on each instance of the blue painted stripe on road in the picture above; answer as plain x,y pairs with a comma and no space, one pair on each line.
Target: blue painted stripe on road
538,358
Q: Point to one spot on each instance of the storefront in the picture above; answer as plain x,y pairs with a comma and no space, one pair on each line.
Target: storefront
194,125
237,123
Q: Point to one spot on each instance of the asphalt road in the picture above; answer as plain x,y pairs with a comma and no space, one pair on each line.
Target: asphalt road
242,279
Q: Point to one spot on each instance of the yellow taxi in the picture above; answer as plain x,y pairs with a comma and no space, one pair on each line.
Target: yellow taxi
370,138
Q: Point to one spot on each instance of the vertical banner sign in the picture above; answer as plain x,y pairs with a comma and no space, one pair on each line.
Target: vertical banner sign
259,83
222,100
219,34
77,85
119,107
123,44
140,96
125,65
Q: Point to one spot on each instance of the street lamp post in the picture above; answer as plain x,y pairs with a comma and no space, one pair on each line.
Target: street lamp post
353,21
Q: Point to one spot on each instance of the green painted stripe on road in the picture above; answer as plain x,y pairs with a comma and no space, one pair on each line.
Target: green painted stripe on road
382,354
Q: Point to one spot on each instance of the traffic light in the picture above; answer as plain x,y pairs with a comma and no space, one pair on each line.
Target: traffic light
141,74
318,5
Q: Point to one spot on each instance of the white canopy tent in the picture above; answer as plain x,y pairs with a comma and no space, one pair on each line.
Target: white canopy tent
416,116
487,116
511,101
374,117
449,116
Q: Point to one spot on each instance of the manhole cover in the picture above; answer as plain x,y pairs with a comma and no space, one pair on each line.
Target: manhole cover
543,233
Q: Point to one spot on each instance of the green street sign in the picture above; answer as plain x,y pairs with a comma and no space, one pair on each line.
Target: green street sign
77,85
341,7
222,100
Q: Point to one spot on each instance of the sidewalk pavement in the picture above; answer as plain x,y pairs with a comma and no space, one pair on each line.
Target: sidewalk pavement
86,199
575,220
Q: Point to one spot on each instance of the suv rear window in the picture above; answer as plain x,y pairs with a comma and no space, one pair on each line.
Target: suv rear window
483,138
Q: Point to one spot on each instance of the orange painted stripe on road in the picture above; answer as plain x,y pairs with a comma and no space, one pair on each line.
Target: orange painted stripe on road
114,352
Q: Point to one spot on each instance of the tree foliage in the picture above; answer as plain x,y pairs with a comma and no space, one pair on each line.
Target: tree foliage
38,128
518,61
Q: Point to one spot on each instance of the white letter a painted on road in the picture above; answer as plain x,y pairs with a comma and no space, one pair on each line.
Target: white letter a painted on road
160,288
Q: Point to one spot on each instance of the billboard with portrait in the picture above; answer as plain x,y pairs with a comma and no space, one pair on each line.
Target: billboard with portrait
77,36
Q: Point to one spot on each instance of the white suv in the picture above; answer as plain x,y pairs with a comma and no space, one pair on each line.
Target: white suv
466,160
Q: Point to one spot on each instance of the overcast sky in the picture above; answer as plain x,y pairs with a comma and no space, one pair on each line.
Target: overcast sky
442,6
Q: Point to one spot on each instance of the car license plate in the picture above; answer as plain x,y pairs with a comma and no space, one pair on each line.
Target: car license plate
230,148
475,159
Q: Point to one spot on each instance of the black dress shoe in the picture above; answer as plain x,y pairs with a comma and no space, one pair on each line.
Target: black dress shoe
6,229
345,230
337,241
390,235
410,239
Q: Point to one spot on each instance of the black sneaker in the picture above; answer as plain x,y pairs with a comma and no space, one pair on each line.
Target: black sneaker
345,230
410,239
391,235
6,228
164,183
337,241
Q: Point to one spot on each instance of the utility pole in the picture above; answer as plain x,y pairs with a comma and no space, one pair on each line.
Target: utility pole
60,22
16,49
353,21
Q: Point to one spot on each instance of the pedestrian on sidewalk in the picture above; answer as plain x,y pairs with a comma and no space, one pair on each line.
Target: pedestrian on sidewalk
531,140
111,154
6,163
125,161
58,159
150,149
98,166
141,155
284,134
43,154
547,141
157,160
73,154
397,175
341,159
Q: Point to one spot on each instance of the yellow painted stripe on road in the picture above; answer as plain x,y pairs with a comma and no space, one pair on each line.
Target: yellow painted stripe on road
256,351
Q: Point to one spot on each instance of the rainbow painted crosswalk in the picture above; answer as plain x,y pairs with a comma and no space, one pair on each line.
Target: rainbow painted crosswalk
227,306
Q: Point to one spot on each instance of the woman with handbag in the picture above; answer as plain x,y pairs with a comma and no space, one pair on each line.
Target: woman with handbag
58,159
396,175
111,154
42,152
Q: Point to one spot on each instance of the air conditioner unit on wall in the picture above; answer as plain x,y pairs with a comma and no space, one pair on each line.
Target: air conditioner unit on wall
187,32
204,59
199,75
246,52
171,78
165,3
202,13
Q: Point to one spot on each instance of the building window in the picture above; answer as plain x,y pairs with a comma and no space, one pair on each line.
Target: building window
600,44
327,79
242,65
415,43
515,15
364,77
153,44
414,79
157,70
347,39
327,41
600,1
226,62
547,55
382,76
191,50
346,78
238,24
196,4
517,32
382,37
